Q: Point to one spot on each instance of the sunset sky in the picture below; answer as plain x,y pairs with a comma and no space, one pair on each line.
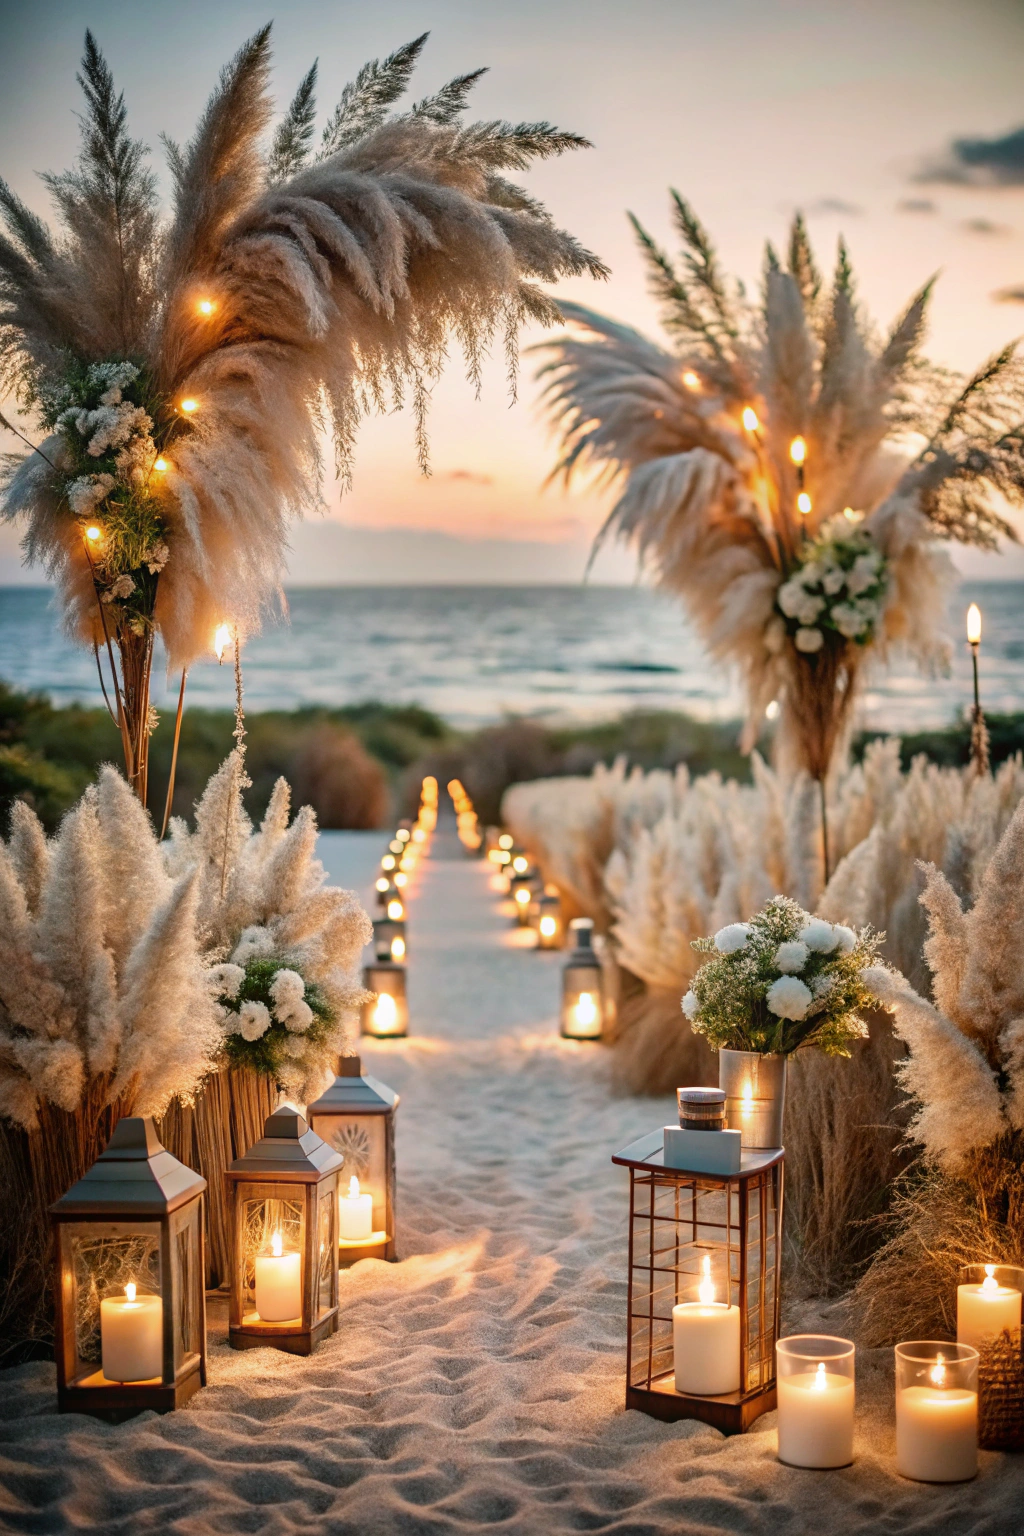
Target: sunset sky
750,109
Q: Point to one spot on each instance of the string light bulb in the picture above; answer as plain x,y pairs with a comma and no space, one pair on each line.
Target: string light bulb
93,534
974,625
750,420
189,405
206,306
691,380
803,503
798,450
221,640
162,465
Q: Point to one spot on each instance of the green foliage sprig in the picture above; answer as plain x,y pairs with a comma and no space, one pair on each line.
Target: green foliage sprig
782,981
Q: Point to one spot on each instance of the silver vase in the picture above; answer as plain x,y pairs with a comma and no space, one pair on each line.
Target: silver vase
755,1096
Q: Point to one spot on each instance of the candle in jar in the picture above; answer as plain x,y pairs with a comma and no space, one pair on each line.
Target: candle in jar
816,1418
706,1342
937,1430
586,1018
355,1219
132,1336
278,1283
983,1311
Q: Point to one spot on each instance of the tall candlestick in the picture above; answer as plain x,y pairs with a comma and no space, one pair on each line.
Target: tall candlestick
816,1399
936,1412
355,1213
132,1336
984,1310
706,1342
278,1284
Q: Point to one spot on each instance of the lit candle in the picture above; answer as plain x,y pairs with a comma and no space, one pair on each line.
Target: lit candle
586,1015
548,927
385,1015
398,949
396,911
937,1422
132,1336
983,1311
706,1342
278,1284
816,1418
355,1213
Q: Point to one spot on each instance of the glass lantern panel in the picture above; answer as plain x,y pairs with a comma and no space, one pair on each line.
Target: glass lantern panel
104,1259
362,1142
327,1251
264,1219
187,1283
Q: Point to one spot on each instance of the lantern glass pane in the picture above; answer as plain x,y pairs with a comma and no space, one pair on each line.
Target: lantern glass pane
261,1219
104,1258
187,1284
362,1141
326,1250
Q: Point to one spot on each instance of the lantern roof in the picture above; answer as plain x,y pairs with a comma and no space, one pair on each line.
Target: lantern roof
135,1176
353,1093
287,1150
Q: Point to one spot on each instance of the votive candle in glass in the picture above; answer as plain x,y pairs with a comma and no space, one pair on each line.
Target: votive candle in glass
278,1283
816,1397
988,1302
706,1341
936,1411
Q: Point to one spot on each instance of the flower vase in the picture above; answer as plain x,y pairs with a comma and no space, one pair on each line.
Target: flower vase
755,1096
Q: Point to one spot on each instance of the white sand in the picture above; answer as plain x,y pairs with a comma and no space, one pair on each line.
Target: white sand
479,1382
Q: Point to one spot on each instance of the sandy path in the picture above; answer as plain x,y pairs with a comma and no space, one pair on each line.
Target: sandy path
478,1383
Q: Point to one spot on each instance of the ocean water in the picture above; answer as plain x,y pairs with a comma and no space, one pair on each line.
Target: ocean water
476,654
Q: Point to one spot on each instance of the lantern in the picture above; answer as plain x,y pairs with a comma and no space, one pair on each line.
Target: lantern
130,1296
356,1116
283,1197
387,1015
582,986
390,941
703,1287
549,920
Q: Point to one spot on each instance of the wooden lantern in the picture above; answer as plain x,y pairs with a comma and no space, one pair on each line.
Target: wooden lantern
385,1017
356,1116
582,986
130,1287
684,1227
549,925
283,1197
390,941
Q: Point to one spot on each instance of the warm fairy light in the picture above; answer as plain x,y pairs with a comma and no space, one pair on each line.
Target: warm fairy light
691,380
973,624
388,861
353,1187
396,911
803,503
990,1285
706,1289
129,1290
548,927
505,840
772,710
161,466
206,306
189,405
383,883
586,1010
93,534
937,1374
276,1245
798,450
523,896
401,878
520,864
221,640
819,1384
398,949
750,418
385,1014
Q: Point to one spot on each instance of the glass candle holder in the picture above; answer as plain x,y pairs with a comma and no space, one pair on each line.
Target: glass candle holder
987,1301
936,1411
816,1400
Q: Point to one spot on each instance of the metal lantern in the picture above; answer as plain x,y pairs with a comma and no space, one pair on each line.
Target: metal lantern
389,940
356,1116
703,1289
283,1197
582,986
387,1015
130,1297
549,925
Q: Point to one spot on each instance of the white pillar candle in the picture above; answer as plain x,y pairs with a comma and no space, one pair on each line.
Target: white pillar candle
278,1284
706,1342
983,1311
816,1418
132,1336
937,1434
355,1213
586,1016
385,1013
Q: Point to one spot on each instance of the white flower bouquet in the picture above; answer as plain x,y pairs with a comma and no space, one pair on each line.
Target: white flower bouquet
837,591
273,1020
782,981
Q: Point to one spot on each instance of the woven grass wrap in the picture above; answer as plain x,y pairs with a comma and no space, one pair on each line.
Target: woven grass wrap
1001,1393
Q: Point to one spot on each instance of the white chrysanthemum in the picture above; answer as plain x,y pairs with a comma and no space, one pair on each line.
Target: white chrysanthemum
849,620
286,989
846,937
254,943
225,980
809,640
819,936
810,608
690,1005
834,580
253,1020
298,1018
788,998
791,957
790,596
863,574
732,938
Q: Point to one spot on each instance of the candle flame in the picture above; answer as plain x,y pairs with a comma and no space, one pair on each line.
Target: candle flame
353,1188
401,878
398,949
205,307
803,504
388,861
386,1012
547,927
276,1245
129,1290
990,1284
691,380
937,1374
520,864
221,640
819,1384
396,911
93,534
189,405
973,624
750,418
383,883
586,1009
798,450
505,840
522,896
706,1288
161,465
